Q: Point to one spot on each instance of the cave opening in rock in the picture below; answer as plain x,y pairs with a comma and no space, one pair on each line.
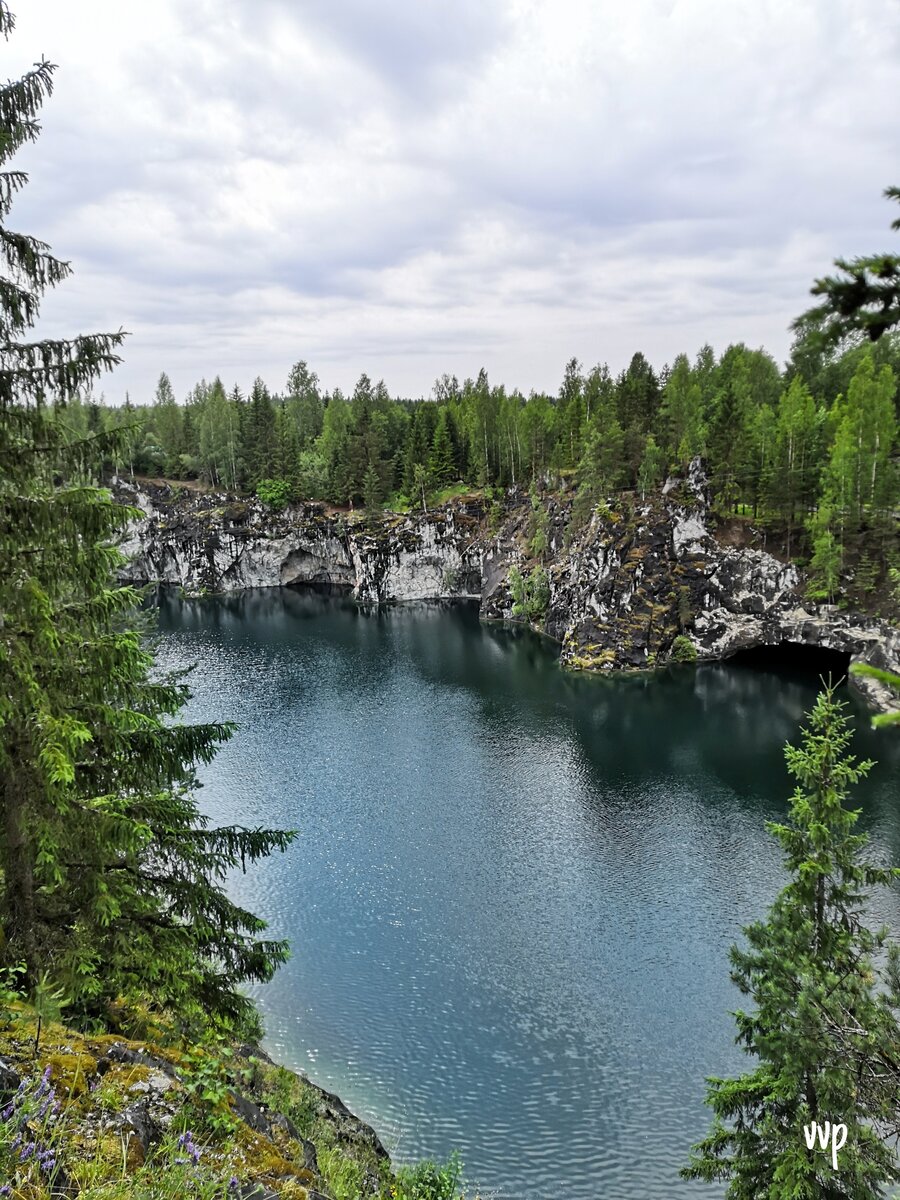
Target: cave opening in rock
795,657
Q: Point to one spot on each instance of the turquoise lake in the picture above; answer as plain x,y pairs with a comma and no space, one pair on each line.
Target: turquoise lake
514,889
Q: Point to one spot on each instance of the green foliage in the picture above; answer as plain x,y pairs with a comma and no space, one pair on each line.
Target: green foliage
531,595
49,1001
343,1175
683,650
863,299
818,1015
177,1168
892,681
12,989
538,526
372,491
495,517
650,470
428,1181
111,882
824,568
207,1083
441,464
275,493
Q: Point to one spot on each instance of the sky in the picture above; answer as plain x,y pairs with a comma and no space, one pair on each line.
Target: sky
413,187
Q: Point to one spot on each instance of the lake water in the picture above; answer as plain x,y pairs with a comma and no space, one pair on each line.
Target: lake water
514,889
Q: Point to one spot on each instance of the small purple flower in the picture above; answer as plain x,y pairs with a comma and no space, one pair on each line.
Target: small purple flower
186,1142
48,1100
7,1112
26,1152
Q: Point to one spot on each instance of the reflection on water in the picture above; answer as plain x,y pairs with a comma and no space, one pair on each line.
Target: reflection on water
515,888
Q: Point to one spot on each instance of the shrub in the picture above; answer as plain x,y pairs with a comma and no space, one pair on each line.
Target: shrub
531,596
683,650
429,1181
274,493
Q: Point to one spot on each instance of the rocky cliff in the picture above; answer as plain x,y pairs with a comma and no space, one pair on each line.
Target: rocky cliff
621,587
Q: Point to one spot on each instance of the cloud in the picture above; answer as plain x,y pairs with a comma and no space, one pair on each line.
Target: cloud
413,187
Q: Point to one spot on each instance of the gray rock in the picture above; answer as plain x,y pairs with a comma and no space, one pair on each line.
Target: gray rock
120,1053
9,1079
254,1116
138,1120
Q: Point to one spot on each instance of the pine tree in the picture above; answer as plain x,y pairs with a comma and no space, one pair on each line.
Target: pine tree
109,878
817,1014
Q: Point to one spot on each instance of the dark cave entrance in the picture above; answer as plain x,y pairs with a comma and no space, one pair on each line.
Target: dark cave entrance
796,658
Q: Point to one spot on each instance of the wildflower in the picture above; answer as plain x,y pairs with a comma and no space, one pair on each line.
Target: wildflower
186,1142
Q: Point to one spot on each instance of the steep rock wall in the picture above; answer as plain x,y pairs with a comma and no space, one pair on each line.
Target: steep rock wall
622,588
211,543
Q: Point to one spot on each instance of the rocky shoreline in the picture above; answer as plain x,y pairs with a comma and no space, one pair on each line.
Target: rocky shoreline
623,586
274,1132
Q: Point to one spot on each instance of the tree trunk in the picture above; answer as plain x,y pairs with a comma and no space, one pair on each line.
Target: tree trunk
18,873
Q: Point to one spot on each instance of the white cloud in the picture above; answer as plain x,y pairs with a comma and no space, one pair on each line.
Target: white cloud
413,187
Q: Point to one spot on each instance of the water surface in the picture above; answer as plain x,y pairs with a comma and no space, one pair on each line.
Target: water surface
514,889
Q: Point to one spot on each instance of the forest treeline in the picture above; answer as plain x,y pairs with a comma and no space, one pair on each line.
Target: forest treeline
807,449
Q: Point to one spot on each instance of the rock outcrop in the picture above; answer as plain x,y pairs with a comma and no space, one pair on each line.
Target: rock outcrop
622,586
207,543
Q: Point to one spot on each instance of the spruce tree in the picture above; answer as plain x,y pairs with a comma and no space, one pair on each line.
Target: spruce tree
110,879
864,299
818,1016
440,461
167,420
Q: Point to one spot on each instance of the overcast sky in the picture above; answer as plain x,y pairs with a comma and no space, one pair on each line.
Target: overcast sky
407,187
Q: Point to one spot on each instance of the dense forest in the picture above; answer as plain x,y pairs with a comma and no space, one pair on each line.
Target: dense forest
806,450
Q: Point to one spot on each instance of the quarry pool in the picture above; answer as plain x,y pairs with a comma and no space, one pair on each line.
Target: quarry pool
514,889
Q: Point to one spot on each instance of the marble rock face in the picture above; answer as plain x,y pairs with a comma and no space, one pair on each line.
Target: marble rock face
622,587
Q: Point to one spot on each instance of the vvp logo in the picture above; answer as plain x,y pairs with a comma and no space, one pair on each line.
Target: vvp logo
836,1134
